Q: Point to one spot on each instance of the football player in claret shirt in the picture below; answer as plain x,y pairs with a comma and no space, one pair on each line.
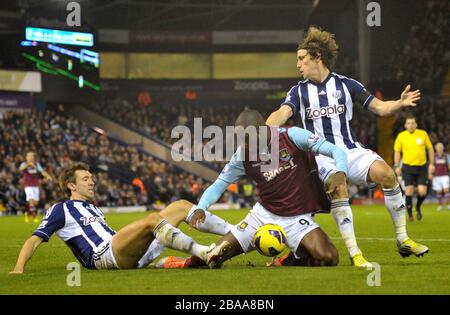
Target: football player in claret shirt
441,175
32,170
288,195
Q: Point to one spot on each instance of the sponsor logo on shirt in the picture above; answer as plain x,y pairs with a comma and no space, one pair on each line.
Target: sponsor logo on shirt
91,219
268,176
329,111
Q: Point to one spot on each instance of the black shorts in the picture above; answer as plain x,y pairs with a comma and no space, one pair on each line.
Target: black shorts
415,175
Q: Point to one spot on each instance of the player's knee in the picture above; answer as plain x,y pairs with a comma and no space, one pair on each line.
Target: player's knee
341,192
152,220
328,256
422,193
183,204
388,179
331,257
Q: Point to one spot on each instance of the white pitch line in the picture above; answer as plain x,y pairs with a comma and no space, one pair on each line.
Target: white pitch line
393,239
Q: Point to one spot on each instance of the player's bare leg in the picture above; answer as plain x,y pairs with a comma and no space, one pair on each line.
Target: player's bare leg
131,242
212,224
320,248
445,194
176,212
447,198
32,209
342,214
383,175
315,249
228,246
439,195
26,212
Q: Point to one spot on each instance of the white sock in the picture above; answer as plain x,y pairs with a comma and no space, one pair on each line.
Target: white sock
154,250
342,214
212,224
394,202
172,237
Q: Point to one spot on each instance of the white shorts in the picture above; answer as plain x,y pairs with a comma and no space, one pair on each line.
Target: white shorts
441,182
32,193
359,162
104,257
296,227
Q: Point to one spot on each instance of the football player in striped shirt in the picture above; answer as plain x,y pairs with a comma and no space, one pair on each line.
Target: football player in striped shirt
323,102
82,226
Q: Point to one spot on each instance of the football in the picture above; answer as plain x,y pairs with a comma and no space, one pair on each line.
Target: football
270,240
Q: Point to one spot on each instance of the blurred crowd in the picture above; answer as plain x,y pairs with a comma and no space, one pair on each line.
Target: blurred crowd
158,120
126,176
423,58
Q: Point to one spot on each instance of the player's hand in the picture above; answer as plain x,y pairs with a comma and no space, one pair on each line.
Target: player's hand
199,216
430,171
408,97
398,171
336,182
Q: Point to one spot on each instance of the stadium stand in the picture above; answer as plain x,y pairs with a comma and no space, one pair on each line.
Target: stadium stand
127,176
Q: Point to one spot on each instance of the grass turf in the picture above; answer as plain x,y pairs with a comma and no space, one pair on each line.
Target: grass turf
46,273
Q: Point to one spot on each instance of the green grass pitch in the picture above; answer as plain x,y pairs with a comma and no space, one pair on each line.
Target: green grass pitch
46,273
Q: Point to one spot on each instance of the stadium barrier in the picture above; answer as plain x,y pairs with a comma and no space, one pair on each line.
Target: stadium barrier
131,209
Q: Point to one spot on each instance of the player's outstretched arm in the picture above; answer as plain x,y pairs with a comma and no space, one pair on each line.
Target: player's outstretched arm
408,98
47,175
307,141
397,158
431,162
280,116
230,174
27,251
23,166
210,196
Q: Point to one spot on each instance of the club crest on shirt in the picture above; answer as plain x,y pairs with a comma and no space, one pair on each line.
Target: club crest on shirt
284,155
336,94
241,227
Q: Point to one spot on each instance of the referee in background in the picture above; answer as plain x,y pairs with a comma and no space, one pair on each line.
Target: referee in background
411,145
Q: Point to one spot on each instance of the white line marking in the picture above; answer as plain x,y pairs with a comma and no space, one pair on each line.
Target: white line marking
393,239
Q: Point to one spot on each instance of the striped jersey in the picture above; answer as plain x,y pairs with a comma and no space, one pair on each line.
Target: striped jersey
326,108
81,225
